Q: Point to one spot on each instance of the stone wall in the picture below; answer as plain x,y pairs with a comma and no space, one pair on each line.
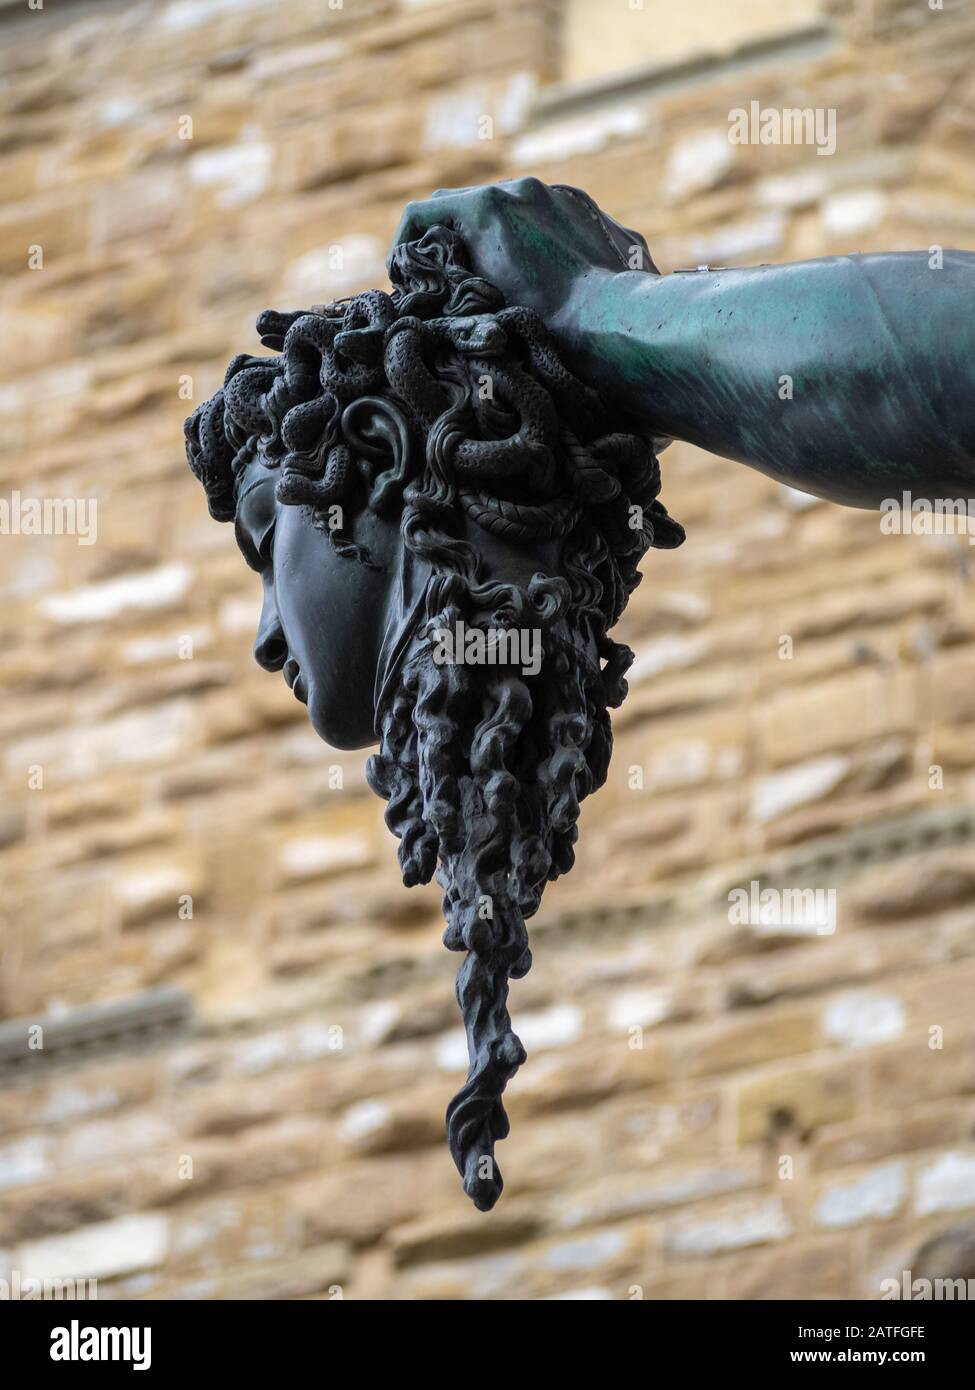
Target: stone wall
250,1030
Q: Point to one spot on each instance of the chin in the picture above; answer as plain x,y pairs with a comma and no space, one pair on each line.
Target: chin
343,729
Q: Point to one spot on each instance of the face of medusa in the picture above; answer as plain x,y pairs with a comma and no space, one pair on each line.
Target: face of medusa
323,615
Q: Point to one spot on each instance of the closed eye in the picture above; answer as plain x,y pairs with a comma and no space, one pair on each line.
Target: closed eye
254,526
265,546
255,550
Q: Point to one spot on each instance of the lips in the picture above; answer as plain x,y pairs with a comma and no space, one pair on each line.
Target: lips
292,674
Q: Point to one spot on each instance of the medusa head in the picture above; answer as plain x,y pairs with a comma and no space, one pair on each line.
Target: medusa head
405,468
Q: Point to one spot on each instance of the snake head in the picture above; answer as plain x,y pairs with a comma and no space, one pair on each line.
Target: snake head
273,325
363,345
479,334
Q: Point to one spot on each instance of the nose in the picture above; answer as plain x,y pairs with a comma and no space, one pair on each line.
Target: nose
270,647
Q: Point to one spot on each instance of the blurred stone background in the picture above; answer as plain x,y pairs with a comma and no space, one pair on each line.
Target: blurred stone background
250,1033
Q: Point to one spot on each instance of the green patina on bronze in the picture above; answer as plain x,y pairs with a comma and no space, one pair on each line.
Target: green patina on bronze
849,377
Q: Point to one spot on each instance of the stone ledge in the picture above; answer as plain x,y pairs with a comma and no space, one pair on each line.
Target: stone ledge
72,1037
659,79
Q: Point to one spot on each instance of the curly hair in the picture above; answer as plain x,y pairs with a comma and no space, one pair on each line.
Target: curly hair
483,767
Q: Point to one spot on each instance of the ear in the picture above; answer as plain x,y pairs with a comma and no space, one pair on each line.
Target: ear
378,431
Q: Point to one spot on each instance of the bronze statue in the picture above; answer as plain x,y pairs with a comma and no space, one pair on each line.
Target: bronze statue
448,490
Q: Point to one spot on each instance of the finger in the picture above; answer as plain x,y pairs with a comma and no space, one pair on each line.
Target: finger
451,203
527,188
418,218
625,241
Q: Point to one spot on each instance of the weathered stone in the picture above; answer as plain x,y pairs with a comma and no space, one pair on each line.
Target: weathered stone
803,1097
730,1229
100,1251
613,1199
445,1237
917,887
819,1269
870,1139
875,1195
25,1160
811,722
947,1184
864,1019
739,1043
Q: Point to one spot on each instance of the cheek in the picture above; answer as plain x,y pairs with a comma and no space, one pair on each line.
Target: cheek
301,585
331,612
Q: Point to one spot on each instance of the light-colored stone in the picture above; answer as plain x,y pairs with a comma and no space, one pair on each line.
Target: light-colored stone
755,1224
698,162
854,212
797,786
863,1019
102,1251
315,857
876,1195
25,1160
159,588
582,135
585,1253
948,1184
